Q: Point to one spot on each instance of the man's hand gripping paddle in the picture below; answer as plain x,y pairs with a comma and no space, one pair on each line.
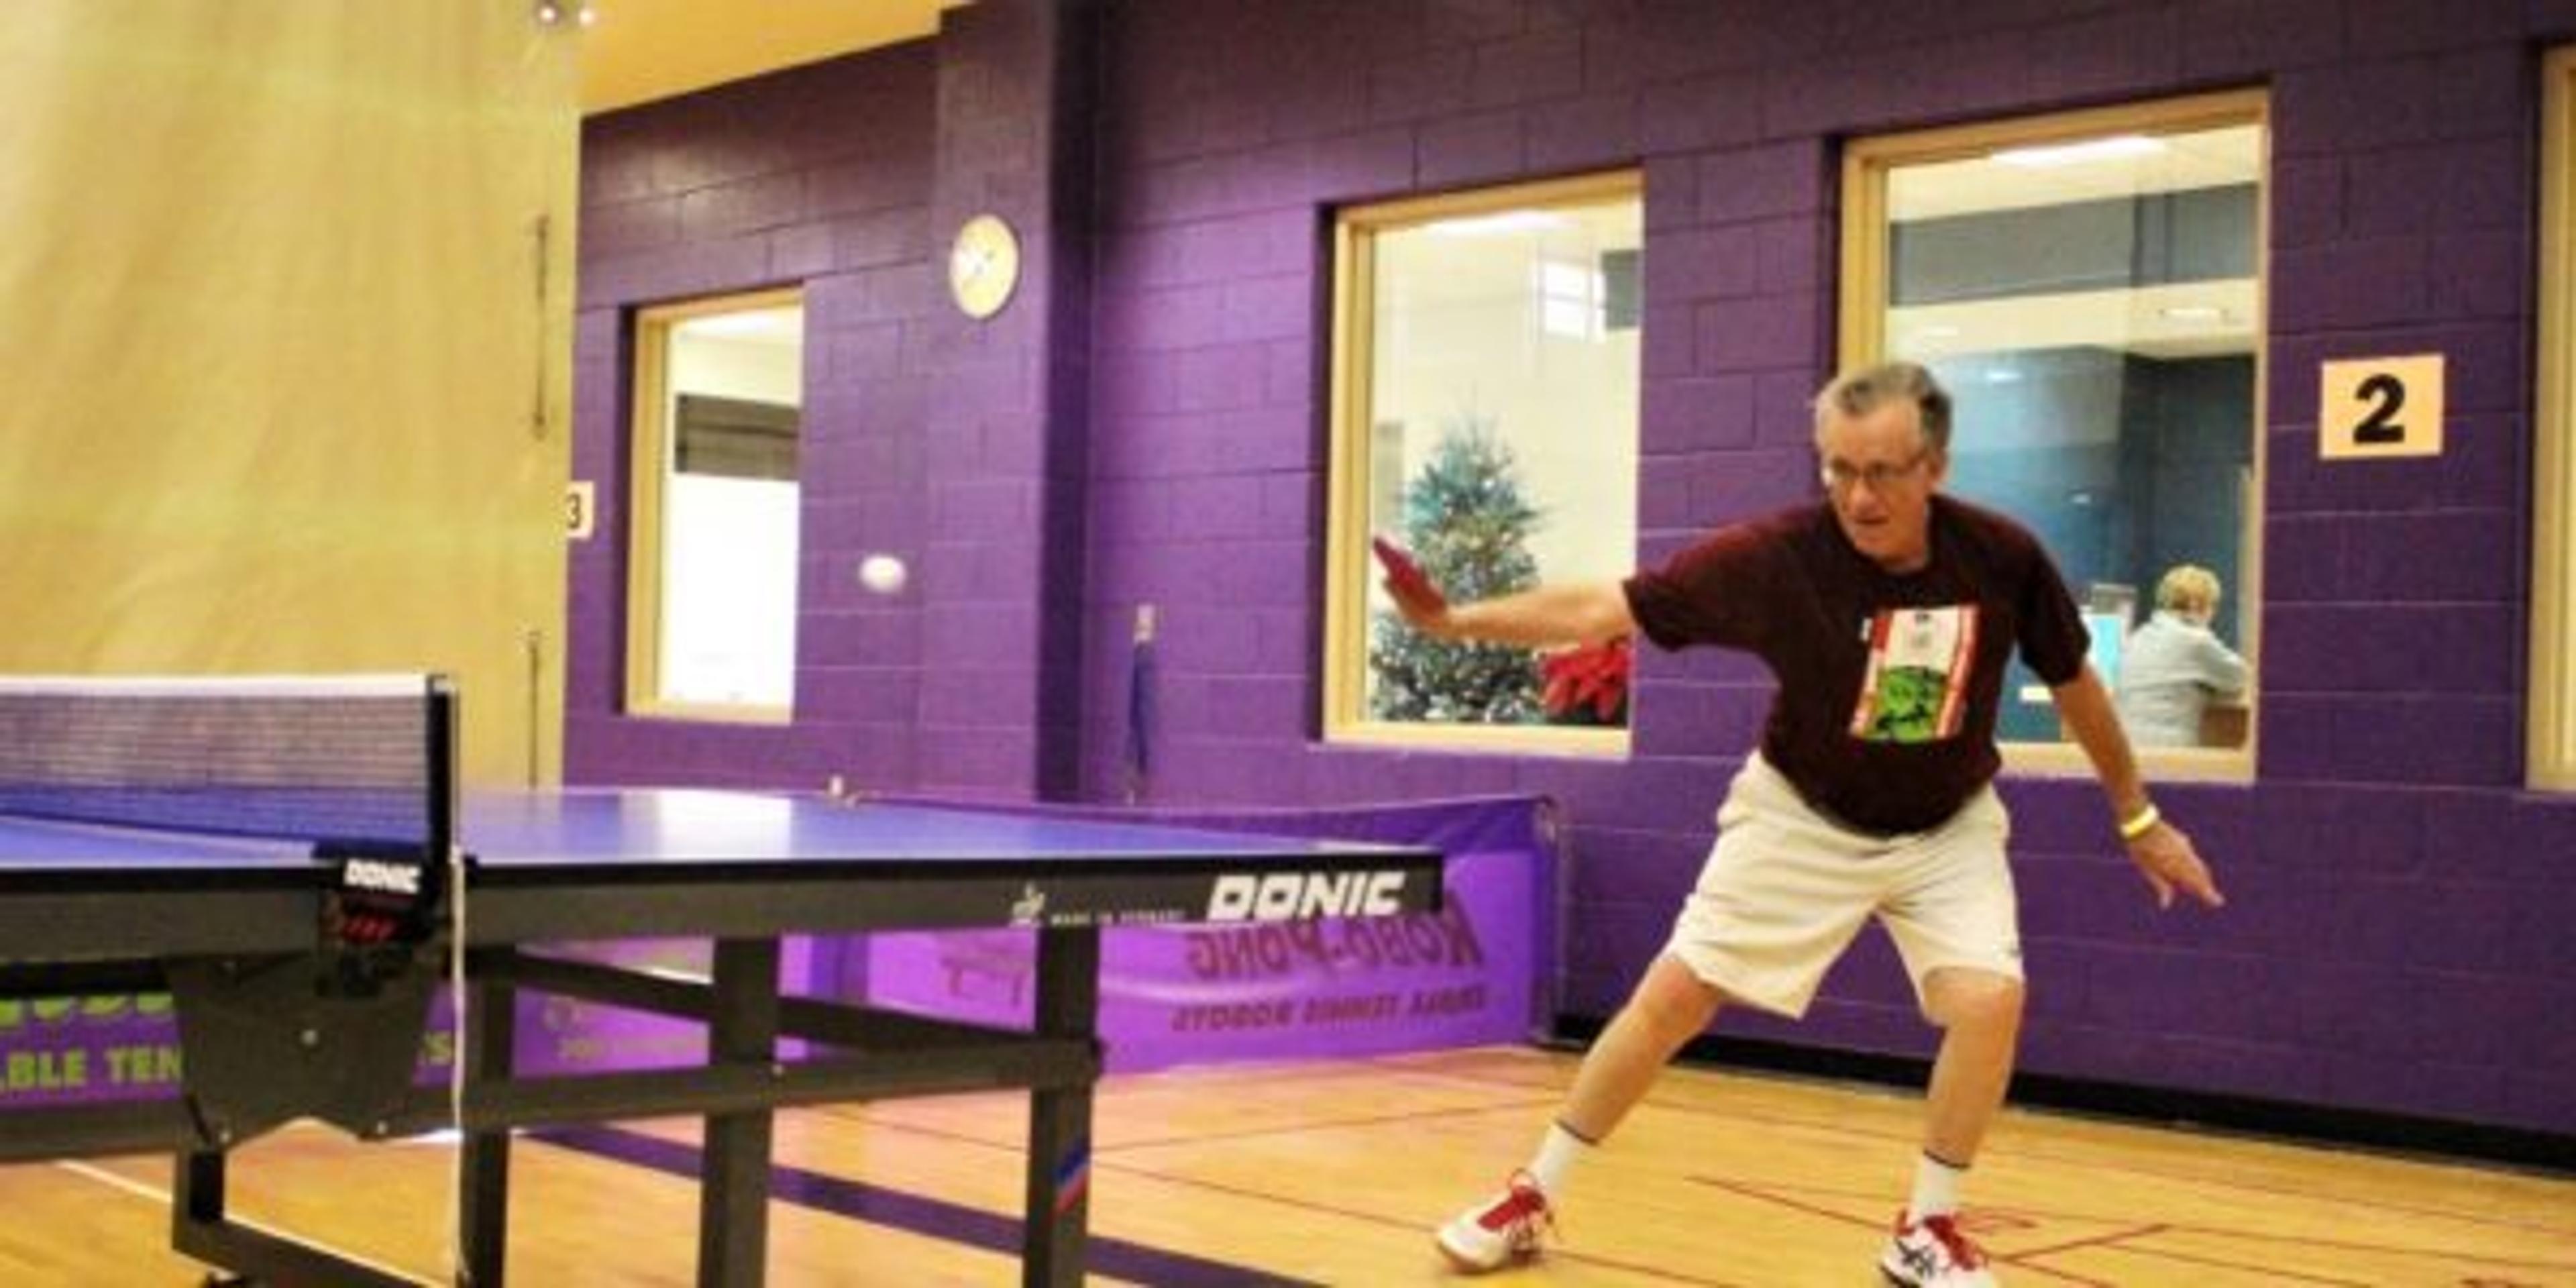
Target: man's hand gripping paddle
1405,580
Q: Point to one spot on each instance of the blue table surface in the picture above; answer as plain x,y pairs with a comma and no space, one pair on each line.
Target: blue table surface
582,827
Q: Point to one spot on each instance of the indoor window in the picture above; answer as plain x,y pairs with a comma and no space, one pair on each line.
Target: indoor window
1485,417
2553,563
712,603
2089,288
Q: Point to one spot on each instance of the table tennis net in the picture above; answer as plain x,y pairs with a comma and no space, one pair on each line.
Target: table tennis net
359,764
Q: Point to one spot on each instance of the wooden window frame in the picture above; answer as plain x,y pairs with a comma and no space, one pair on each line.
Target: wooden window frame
1350,569
1861,338
2551,756
649,442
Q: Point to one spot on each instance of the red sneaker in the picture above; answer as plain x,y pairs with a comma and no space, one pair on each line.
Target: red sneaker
1499,1231
1933,1253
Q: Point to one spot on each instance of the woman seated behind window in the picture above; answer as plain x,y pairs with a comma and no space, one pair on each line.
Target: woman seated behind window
2174,663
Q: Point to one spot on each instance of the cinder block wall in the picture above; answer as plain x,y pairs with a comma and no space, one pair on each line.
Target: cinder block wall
2396,939
819,177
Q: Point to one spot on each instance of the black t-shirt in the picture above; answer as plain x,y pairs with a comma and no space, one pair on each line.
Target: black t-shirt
1889,685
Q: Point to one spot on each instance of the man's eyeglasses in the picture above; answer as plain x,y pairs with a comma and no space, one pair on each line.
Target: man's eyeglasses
1842,476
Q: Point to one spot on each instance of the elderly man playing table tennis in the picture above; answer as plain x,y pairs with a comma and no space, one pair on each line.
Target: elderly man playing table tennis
1887,613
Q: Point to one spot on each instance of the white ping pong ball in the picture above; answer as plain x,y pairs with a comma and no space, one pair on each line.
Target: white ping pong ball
881,573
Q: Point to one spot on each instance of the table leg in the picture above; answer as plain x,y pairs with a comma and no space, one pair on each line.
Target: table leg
1053,1248
197,1190
733,1185
490,1032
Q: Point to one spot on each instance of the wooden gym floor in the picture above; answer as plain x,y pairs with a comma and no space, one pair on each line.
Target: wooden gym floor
1335,1172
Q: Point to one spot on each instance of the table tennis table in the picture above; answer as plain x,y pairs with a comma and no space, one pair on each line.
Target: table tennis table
228,925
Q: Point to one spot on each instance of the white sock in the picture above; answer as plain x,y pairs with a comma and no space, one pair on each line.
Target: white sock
1936,1188
1556,1156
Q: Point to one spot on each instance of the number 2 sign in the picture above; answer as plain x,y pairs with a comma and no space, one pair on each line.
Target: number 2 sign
2381,407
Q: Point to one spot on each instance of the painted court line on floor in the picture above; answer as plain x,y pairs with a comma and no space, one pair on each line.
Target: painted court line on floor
2126,1240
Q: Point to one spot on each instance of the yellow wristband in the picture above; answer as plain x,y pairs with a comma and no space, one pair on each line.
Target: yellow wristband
2141,823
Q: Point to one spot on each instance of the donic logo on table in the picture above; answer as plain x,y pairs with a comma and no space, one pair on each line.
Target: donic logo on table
1285,896
375,874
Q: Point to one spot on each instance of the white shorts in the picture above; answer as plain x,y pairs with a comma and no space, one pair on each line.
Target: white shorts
1785,889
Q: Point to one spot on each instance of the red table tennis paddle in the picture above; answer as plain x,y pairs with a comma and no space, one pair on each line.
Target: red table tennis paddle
1405,576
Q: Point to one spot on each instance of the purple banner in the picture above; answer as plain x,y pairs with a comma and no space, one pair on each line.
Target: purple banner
65,1050
73,1050
569,1035
1470,974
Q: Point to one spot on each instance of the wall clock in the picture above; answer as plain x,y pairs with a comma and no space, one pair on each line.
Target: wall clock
983,266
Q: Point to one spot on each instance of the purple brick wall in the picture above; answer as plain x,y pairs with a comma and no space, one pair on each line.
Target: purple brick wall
1008,485
2396,938
821,177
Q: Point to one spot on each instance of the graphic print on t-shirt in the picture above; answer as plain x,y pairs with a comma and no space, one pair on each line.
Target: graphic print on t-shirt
1916,686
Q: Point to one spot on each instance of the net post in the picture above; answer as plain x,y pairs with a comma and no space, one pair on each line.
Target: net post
439,755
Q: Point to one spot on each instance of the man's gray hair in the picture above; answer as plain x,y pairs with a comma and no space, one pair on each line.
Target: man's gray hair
1860,392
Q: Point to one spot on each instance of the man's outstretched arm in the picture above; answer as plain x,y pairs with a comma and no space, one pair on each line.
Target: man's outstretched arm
1574,612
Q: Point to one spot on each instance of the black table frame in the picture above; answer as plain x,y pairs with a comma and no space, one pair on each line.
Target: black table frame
54,927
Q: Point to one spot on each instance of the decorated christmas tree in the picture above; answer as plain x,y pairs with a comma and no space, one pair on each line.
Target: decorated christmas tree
1467,523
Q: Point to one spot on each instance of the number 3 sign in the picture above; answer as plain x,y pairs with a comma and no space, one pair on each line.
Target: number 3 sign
580,503
2381,407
